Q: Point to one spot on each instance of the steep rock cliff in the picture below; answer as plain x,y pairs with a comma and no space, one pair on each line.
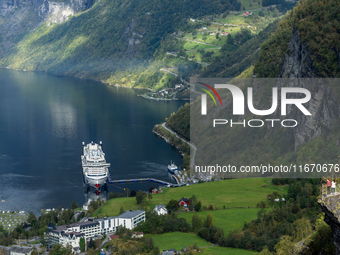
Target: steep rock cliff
19,17
331,207
323,105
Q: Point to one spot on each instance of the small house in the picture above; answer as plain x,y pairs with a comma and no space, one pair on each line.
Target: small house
137,235
160,209
183,201
20,250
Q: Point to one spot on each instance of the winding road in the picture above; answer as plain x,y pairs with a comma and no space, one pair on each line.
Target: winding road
190,144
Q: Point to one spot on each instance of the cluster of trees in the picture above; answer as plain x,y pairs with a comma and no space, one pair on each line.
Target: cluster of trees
271,2
295,219
180,123
288,223
115,195
159,224
37,226
193,205
128,245
95,204
318,33
5,237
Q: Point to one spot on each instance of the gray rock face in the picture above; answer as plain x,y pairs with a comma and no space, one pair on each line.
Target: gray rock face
330,206
19,17
58,12
297,63
323,106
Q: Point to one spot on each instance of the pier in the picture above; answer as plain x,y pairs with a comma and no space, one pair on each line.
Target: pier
111,181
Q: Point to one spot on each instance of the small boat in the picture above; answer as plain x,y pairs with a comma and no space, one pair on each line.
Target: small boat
172,168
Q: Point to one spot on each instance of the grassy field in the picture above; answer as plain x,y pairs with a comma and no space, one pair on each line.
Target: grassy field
196,46
177,240
227,219
228,193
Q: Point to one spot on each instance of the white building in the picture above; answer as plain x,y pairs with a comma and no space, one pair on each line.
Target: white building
161,209
129,219
20,250
107,225
72,233
86,206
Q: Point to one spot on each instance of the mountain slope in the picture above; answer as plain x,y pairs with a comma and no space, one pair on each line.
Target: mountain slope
318,25
20,17
300,47
110,36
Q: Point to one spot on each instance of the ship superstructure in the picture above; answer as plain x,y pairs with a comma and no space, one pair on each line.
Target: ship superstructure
95,167
172,168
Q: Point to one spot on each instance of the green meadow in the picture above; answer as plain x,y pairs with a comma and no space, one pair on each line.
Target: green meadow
228,193
227,219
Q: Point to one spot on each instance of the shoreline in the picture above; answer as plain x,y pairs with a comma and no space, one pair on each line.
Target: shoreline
77,77
167,141
101,81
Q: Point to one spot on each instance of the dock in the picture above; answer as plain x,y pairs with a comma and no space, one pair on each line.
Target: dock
111,181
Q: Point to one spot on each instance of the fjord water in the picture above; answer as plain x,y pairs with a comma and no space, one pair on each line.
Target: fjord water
45,118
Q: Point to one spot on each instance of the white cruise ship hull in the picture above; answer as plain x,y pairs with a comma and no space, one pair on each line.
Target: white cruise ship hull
95,167
95,182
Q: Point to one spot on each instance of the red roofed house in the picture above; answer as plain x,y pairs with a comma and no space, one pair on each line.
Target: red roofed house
183,201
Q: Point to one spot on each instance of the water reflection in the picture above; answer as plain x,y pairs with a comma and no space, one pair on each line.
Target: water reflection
92,194
62,119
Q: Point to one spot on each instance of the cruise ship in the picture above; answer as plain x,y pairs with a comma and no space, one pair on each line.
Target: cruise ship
95,167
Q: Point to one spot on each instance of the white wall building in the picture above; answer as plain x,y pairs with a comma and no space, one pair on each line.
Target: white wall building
20,250
129,219
160,209
71,234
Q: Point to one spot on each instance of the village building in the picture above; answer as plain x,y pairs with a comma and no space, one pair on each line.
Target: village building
160,209
20,250
91,228
137,235
183,201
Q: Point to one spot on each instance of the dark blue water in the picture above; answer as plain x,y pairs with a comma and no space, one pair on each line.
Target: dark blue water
45,118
